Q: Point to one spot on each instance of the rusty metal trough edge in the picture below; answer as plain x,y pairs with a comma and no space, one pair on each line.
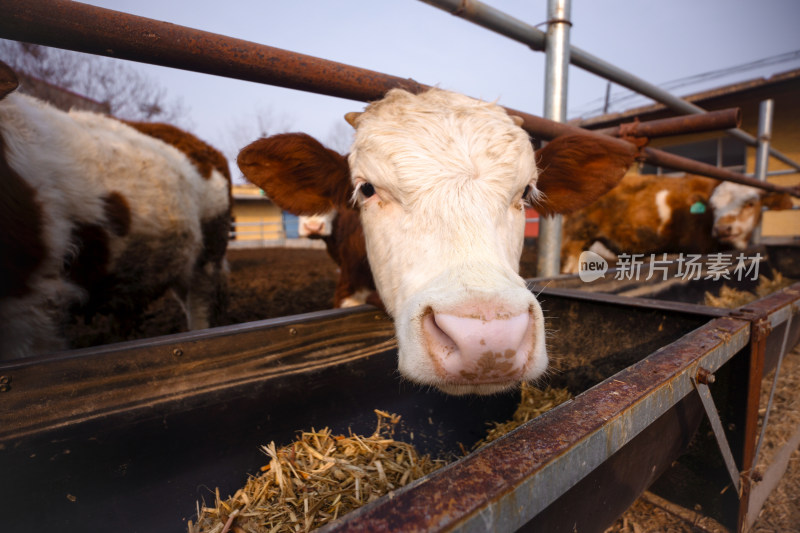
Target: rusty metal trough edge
513,501
508,503
545,487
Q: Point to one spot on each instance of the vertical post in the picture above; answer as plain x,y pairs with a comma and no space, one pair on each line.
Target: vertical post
762,153
555,108
608,99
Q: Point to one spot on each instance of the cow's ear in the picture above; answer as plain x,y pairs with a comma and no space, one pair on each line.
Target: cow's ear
8,80
777,201
297,172
576,170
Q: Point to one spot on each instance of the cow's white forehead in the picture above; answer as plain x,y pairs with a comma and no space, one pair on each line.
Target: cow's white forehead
412,143
729,197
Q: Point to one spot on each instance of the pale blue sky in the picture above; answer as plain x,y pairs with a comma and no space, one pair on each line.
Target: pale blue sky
658,41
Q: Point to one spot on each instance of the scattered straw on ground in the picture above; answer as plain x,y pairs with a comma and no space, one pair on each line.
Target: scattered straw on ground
781,511
533,402
316,479
731,298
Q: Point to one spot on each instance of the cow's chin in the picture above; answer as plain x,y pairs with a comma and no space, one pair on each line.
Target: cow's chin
737,242
481,390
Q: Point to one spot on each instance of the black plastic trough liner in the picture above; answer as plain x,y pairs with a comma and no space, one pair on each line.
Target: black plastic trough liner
129,437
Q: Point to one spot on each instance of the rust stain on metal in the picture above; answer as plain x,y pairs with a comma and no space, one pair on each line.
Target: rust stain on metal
710,121
95,30
665,159
486,477
102,31
704,376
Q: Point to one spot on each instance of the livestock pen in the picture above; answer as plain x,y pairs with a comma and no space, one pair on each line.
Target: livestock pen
200,403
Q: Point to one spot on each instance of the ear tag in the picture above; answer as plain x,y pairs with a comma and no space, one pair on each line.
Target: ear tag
697,208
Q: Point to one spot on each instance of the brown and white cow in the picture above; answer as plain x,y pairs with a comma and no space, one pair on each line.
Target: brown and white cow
102,214
648,214
343,235
643,215
441,181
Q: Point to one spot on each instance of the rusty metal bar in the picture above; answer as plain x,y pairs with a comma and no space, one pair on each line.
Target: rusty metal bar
105,32
716,426
547,129
772,392
758,339
95,30
711,121
664,159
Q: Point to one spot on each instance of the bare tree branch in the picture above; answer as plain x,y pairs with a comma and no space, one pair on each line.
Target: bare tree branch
128,93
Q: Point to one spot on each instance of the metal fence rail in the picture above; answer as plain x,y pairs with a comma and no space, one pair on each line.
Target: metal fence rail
499,22
85,28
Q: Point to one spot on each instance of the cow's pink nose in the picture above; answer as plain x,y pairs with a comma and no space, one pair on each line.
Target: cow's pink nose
312,227
474,350
721,230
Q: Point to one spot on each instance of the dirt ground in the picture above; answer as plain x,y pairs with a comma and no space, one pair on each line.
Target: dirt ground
264,283
274,282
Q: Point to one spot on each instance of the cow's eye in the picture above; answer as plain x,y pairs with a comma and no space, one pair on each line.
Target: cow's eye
526,192
366,190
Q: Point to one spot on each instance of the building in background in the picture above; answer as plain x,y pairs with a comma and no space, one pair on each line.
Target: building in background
257,221
719,149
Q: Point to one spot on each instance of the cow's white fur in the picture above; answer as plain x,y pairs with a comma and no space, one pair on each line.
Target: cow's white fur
664,210
738,208
73,160
306,224
445,229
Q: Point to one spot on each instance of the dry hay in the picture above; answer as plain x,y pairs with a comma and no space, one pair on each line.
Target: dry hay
316,479
781,511
533,402
730,298
320,477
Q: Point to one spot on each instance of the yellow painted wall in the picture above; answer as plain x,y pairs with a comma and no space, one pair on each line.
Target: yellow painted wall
250,206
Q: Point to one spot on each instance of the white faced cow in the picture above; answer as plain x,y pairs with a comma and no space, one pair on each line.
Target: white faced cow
737,211
108,215
441,181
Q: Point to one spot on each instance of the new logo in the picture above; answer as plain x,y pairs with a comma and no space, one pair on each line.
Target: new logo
591,266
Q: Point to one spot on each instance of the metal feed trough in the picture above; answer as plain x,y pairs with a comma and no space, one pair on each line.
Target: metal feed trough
774,330
134,434
130,436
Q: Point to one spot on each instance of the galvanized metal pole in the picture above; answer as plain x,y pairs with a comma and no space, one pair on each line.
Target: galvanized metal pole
499,22
548,261
765,112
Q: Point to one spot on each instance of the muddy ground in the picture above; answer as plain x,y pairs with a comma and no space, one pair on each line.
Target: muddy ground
264,283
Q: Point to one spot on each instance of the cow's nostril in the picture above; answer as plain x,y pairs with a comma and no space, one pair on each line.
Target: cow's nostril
476,350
